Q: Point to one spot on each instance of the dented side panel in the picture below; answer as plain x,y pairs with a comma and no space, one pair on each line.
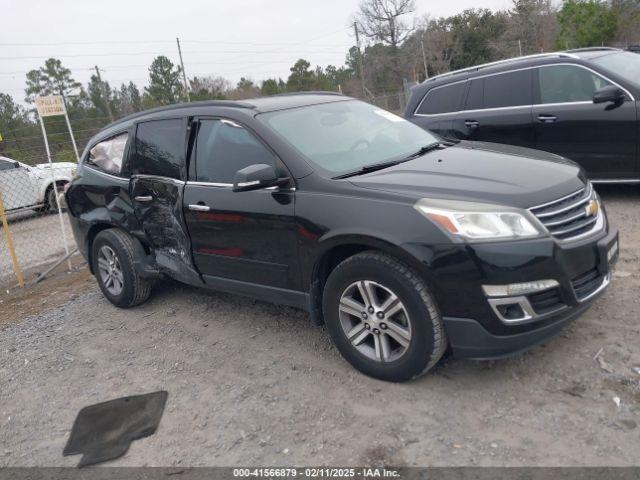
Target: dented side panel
158,207
101,200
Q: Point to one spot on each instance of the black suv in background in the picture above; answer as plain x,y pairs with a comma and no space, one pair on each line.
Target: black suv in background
580,104
404,245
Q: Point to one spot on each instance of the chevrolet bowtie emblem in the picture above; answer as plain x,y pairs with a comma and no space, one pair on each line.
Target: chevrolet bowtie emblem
592,208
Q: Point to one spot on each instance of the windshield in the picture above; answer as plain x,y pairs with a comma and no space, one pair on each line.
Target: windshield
625,64
341,137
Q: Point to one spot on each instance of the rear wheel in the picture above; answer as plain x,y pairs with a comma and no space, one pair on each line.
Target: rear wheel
382,318
112,258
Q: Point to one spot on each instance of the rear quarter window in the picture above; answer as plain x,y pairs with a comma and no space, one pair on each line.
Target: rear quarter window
443,99
108,154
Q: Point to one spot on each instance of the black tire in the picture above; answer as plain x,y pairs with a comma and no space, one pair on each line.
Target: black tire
50,204
428,340
135,289
46,206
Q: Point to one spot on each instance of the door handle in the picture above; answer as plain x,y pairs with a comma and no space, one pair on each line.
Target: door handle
547,118
199,208
143,198
472,123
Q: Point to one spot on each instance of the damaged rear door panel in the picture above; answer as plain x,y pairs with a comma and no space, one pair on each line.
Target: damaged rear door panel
157,188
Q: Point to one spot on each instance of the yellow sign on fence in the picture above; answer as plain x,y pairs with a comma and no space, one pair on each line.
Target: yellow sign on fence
50,105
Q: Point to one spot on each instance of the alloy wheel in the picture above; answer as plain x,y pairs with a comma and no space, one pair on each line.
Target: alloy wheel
375,321
110,270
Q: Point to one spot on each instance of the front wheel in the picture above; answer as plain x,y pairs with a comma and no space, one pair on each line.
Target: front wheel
50,204
112,260
382,318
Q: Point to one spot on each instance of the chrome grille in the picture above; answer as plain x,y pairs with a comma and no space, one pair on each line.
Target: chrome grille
567,217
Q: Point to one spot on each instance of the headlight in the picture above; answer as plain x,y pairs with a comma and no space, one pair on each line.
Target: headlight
474,221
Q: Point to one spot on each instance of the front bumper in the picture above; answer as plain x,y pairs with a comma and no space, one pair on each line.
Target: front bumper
469,339
475,330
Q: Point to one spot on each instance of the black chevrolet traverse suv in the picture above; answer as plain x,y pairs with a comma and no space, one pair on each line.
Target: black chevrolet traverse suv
580,104
402,243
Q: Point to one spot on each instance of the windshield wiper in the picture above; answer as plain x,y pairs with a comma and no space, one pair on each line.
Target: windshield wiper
391,163
369,168
426,149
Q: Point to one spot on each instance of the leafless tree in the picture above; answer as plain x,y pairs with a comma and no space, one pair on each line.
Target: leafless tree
380,20
439,44
533,23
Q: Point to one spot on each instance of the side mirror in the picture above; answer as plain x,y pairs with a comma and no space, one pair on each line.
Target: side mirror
255,177
610,93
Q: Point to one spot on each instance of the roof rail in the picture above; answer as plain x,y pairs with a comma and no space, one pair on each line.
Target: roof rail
175,106
591,49
310,92
505,61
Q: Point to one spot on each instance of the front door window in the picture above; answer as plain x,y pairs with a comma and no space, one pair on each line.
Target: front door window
223,148
568,83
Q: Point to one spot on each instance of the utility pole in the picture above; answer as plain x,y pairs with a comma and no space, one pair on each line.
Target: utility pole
104,94
360,62
520,47
184,75
424,57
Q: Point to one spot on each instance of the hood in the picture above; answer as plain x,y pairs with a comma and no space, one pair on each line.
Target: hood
57,165
481,172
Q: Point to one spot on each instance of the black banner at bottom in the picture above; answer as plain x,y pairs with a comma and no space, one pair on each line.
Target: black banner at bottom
400,473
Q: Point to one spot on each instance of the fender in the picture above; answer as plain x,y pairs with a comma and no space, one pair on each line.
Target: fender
366,239
145,264
356,242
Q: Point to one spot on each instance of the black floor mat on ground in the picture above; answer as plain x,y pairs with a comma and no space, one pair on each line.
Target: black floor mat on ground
104,431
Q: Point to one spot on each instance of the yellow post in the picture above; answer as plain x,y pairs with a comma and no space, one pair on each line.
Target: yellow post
12,249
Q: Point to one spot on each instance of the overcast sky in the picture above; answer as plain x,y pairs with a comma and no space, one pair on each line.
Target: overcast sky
230,38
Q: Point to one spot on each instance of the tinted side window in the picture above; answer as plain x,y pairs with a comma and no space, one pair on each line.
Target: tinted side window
508,89
160,146
475,97
6,165
443,99
568,83
224,147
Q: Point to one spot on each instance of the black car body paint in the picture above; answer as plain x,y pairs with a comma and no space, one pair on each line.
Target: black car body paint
545,102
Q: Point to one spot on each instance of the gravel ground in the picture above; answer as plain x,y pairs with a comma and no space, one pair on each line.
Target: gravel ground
254,384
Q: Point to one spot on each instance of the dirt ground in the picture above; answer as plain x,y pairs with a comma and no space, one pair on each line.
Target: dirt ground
255,384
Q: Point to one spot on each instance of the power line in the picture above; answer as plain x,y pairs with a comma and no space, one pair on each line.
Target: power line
306,42
97,42
146,66
240,60
166,53
145,42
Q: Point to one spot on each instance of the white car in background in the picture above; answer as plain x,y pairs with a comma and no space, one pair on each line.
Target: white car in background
24,186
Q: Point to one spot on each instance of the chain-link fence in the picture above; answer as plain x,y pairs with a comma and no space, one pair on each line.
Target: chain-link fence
394,102
35,232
